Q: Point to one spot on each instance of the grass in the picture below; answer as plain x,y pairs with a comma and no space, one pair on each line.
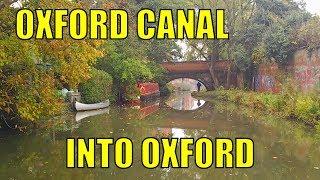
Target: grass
288,104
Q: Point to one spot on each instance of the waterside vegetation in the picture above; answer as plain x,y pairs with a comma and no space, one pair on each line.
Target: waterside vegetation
33,72
289,104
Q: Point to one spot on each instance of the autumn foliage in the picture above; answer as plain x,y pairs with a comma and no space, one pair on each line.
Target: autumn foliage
31,72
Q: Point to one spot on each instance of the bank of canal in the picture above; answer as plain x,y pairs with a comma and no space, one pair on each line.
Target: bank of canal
283,149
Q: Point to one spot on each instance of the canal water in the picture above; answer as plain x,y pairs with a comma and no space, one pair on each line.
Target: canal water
283,149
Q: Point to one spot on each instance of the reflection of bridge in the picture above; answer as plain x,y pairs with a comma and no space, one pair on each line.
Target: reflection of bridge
198,70
186,105
200,119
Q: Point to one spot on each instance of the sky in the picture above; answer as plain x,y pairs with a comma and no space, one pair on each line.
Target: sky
313,6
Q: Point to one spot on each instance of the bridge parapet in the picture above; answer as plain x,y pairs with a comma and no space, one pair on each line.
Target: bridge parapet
195,66
188,66
222,65
198,70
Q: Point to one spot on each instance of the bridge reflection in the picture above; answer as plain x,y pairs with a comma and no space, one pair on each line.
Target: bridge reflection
178,101
183,101
181,111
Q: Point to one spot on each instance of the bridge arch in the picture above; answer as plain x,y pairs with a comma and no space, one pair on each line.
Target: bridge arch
205,82
199,70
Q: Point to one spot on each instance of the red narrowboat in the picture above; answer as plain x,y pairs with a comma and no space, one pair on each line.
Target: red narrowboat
149,91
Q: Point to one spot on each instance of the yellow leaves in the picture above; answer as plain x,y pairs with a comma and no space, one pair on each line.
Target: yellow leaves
38,100
14,51
3,59
28,85
7,19
4,102
71,58
32,89
25,90
27,110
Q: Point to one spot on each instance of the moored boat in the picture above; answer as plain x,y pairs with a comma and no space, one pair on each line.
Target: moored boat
149,91
87,107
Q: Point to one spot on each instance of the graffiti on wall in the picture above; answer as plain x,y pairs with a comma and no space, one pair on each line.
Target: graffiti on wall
307,76
265,80
305,68
266,83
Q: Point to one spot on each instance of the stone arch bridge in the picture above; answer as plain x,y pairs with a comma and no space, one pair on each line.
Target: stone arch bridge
200,71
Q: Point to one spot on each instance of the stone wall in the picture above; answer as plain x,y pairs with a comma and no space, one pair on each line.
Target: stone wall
304,68
266,80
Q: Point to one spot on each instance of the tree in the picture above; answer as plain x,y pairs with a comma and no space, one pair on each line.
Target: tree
125,69
134,60
308,35
259,31
98,88
32,71
238,16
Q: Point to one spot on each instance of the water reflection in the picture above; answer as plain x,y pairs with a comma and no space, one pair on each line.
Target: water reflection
178,133
283,149
82,115
183,101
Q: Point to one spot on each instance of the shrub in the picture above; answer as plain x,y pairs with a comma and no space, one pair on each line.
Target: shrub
273,102
307,108
289,103
98,88
132,92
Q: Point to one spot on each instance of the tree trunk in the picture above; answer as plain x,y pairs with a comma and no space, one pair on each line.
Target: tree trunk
214,76
240,80
214,57
228,78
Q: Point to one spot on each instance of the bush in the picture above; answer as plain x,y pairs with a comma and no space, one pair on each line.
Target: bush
132,92
307,108
96,89
273,102
290,104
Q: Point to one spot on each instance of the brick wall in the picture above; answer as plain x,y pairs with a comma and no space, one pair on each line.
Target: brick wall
266,80
304,67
